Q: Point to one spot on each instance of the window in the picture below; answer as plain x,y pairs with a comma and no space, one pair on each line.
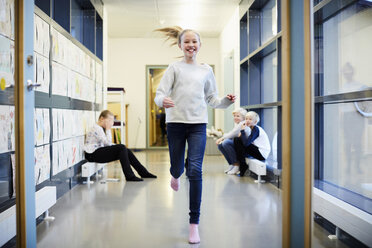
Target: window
343,80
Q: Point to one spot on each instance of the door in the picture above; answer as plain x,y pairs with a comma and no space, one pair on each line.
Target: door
156,126
17,186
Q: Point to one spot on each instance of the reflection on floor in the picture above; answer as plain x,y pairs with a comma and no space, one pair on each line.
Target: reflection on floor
236,212
161,141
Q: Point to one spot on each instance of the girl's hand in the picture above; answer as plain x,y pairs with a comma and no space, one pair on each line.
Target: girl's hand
168,103
243,126
232,98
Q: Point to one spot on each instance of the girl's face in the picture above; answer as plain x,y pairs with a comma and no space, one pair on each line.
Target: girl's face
250,121
238,118
107,122
190,45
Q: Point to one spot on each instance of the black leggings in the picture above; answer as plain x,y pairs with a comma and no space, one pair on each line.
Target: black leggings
115,152
242,151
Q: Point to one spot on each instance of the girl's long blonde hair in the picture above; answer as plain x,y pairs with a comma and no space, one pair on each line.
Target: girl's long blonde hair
175,34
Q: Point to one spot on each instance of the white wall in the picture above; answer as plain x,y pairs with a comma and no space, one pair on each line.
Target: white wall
126,67
229,41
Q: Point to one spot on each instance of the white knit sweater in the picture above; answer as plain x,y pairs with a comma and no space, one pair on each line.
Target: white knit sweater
191,87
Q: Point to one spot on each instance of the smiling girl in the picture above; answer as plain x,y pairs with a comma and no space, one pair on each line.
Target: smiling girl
184,91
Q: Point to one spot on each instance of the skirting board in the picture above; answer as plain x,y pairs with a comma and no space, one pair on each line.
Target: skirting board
350,219
45,198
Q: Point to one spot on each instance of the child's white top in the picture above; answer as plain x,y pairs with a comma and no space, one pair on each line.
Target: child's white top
97,138
191,87
235,131
258,137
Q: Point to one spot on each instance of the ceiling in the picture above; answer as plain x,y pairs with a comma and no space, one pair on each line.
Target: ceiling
138,18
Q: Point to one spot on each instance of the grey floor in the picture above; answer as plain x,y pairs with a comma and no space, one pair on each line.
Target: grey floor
236,212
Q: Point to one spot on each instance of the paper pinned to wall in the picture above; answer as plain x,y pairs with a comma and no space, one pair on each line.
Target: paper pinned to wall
45,39
42,73
55,45
11,130
38,126
55,124
42,163
41,126
37,33
6,128
6,62
7,18
56,158
46,136
60,79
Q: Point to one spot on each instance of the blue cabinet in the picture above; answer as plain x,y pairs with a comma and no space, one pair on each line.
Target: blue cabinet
260,65
80,18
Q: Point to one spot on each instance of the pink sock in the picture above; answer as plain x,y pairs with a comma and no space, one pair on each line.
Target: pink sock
194,234
175,183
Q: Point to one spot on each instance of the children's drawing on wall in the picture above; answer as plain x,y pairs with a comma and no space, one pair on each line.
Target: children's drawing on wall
55,158
41,36
6,63
38,126
42,164
99,90
6,128
11,131
7,18
60,79
41,72
42,126
67,153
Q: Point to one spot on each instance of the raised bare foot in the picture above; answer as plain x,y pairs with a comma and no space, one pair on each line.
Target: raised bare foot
194,234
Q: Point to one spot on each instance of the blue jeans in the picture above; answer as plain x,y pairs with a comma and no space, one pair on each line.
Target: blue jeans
195,136
228,150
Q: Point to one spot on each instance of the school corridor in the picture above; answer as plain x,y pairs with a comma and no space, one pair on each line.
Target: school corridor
235,212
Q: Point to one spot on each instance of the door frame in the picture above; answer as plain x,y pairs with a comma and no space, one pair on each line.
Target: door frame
148,67
24,119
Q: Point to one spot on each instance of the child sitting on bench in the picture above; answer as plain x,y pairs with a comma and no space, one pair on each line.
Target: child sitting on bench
98,148
252,142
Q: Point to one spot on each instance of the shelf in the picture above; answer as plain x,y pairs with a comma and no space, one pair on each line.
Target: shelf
115,89
61,13
243,36
265,105
81,19
329,8
260,63
244,83
99,36
265,49
44,6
